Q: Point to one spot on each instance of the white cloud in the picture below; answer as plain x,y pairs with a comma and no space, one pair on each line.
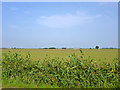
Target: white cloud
67,20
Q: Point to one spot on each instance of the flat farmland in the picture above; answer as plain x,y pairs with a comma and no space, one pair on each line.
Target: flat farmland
106,55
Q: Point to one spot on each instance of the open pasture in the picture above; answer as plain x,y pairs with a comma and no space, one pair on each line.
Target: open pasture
98,55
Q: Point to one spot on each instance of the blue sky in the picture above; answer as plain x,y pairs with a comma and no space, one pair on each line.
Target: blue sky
60,24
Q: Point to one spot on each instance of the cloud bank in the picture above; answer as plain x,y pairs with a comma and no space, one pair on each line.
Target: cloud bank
67,20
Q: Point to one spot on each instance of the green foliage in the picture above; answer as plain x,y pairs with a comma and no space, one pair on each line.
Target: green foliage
71,72
52,48
64,48
97,47
45,48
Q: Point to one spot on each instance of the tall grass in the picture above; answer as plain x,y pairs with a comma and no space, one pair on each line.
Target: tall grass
71,72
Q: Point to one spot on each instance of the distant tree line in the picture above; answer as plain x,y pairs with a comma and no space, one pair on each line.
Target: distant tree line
109,48
96,47
54,48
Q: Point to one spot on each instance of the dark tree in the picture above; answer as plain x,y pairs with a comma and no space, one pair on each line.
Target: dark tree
52,48
45,48
63,48
97,47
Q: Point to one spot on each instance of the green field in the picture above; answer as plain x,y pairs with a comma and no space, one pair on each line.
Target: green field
51,68
106,55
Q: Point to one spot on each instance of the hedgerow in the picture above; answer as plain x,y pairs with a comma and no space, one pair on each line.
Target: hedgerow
75,71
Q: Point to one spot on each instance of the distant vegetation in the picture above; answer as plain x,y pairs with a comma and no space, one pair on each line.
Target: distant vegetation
109,48
64,48
52,48
97,47
45,48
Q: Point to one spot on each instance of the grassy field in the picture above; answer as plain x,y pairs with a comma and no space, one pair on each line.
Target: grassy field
54,68
98,55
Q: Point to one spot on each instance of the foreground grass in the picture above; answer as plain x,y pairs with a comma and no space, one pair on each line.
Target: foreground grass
18,84
71,72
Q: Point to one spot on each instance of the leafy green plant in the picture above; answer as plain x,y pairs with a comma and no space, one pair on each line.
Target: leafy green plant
71,72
